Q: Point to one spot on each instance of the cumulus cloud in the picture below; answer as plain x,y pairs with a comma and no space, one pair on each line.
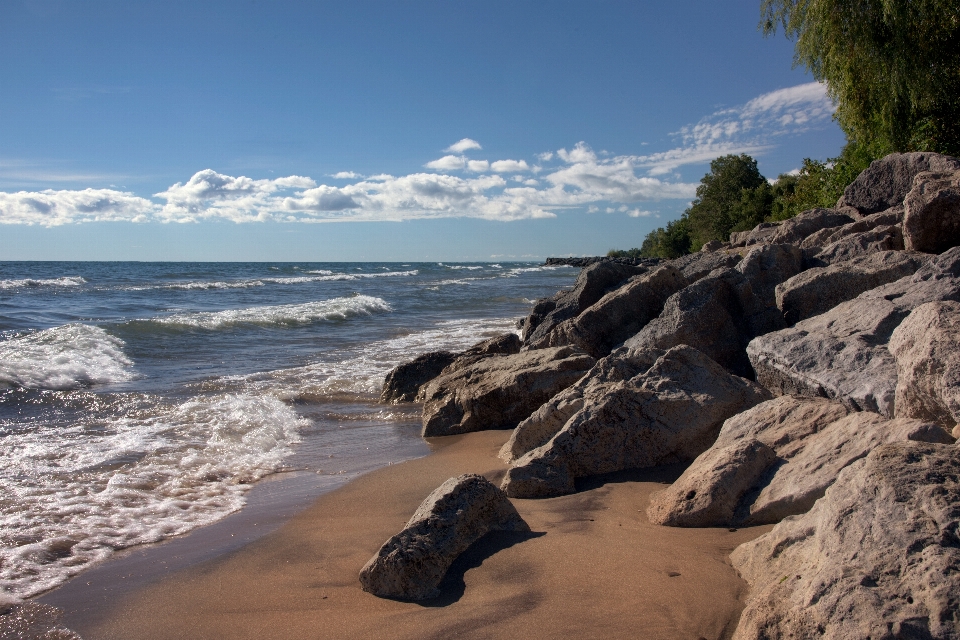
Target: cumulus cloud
52,208
464,145
574,177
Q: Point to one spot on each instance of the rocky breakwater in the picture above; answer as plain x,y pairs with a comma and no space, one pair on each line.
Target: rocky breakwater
808,372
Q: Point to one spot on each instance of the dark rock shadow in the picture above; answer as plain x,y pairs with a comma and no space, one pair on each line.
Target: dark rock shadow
452,586
663,474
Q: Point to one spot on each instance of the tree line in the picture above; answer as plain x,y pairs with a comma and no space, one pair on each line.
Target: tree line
892,68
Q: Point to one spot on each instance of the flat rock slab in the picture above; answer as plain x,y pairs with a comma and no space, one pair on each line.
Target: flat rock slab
669,413
498,391
843,353
876,557
411,564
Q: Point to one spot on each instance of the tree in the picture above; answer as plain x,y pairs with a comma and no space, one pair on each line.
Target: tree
723,204
891,66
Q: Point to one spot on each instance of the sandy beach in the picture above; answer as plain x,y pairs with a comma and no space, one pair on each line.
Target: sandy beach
593,567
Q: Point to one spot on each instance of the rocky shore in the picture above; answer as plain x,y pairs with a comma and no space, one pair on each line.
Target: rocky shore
805,374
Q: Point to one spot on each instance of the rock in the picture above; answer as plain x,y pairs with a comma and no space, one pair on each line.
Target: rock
546,421
927,348
670,413
587,261
932,219
404,381
617,315
498,391
592,283
697,265
843,353
791,231
886,182
713,245
820,239
411,564
855,245
876,557
818,290
722,312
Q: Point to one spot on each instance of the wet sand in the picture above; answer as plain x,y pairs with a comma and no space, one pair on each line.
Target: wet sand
594,567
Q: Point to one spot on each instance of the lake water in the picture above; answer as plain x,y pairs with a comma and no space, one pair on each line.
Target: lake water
139,401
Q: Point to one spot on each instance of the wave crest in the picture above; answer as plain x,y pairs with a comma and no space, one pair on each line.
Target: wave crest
280,315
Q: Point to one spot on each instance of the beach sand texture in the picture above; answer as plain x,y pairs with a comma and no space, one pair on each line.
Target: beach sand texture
594,567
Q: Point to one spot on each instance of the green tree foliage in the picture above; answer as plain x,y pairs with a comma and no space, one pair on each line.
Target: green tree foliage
628,253
672,241
725,200
891,66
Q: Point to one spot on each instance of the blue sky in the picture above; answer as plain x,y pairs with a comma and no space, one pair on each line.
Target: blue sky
380,130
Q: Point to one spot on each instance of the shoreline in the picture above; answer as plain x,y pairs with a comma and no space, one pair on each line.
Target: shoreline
594,565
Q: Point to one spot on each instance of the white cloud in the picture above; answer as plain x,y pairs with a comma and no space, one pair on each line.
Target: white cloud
447,163
346,175
638,213
509,166
464,145
478,166
52,208
546,156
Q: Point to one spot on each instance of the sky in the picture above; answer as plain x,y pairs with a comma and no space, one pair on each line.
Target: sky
391,130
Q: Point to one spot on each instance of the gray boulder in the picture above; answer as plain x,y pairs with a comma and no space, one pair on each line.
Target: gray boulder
843,353
411,564
404,381
697,265
721,313
886,182
816,241
855,245
621,365
670,413
876,557
617,315
593,282
498,391
820,289
927,348
792,231
932,219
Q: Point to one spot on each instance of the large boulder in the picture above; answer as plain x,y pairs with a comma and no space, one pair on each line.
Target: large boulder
761,471
697,265
876,557
621,365
405,381
927,348
721,313
617,315
498,391
411,564
816,241
820,289
855,245
932,219
669,413
886,182
843,353
592,283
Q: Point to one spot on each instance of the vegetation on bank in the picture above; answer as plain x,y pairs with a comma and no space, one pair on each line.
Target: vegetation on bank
892,67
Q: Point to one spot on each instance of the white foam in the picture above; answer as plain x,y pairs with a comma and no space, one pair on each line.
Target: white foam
65,357
287,314
513,273
65,281
132,471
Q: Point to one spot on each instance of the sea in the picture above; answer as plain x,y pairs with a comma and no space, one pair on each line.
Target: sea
139,401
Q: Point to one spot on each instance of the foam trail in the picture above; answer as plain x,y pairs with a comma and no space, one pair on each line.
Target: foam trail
65,357
65,281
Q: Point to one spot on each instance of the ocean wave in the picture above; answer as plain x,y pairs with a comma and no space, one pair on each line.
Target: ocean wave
65,281
65,357
280,315
127,475
515,272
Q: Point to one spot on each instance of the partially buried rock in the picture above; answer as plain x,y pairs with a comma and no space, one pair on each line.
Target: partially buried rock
932,219
843,353
876,557
776,460
411,564
927,348
499,391
669,413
